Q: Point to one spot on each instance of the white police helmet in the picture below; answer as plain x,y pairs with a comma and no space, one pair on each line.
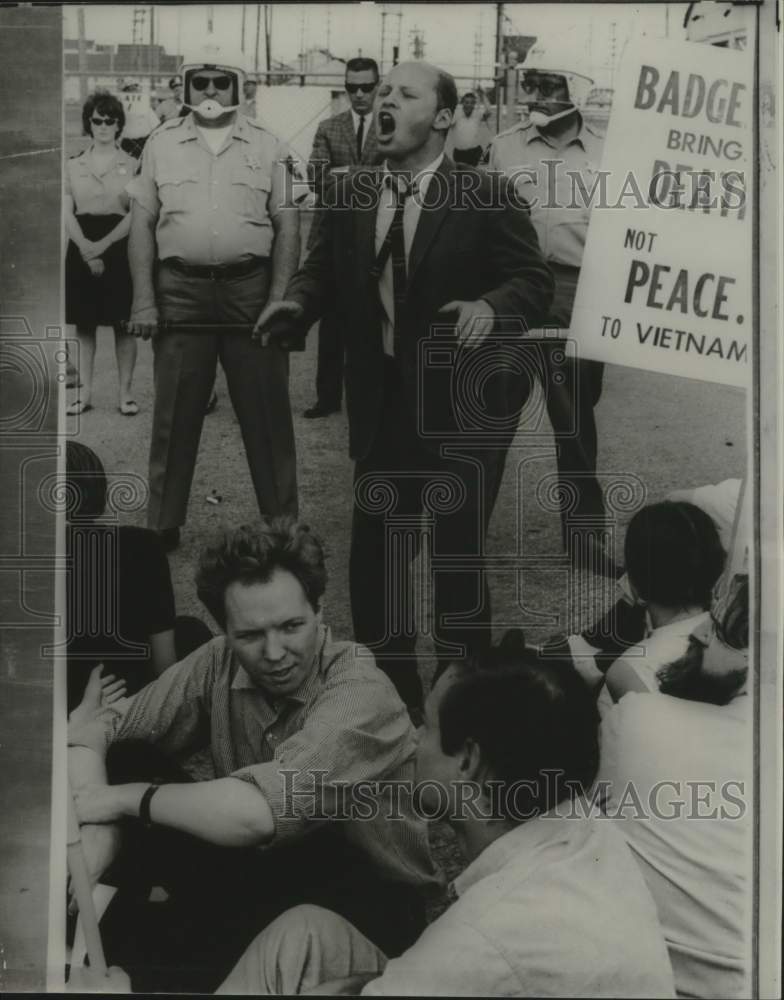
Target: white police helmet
578,86
209,57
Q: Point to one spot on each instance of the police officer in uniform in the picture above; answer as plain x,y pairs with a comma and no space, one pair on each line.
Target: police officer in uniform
213,204
551,142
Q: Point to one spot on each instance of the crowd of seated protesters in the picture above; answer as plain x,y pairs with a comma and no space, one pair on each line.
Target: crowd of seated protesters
645,898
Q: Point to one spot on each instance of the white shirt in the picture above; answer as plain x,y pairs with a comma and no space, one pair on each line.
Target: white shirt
215,137
556,907
368,122
698,869
386,212
660,647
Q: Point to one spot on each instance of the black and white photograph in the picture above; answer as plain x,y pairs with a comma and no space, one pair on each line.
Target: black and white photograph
391,456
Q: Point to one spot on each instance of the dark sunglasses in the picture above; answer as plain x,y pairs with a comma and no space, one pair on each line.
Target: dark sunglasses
202,82
97,120
546,86
365,88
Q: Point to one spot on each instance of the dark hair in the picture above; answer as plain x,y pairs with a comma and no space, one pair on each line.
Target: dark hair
359,64
536,724
174,81
85,482
674,555
252,553
446,91
105,104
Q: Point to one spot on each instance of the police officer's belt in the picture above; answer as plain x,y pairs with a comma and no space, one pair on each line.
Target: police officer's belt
217,272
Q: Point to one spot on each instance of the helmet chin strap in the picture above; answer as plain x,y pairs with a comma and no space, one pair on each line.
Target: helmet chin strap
212,109
539,118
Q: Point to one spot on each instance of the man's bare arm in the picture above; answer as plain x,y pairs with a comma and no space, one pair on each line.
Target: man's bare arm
141,258
229,812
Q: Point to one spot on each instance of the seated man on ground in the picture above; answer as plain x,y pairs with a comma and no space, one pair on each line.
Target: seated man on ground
674,557
296,725
687,756
119,596
624,625
551,903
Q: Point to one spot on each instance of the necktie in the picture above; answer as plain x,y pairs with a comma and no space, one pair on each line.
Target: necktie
360,136
394,246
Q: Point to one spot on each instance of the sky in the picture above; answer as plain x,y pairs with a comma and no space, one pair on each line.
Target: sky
587,34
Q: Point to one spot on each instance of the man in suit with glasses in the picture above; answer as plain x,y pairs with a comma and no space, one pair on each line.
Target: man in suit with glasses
342,141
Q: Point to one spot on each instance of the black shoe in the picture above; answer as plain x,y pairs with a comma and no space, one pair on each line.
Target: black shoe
170,537
590,554
210,407
320,410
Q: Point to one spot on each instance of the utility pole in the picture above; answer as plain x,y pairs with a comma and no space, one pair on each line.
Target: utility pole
256,47
82,56
500,82
383,33
153,60
242,36
268,12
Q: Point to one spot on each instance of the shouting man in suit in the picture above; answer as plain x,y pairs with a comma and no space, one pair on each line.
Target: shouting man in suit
420,255
342,141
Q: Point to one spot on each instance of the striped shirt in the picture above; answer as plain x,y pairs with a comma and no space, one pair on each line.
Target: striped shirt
340,748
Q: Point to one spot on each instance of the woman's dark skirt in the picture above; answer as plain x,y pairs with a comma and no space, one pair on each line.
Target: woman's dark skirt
102,301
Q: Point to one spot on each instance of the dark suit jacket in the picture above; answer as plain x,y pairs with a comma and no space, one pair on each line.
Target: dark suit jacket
460,251
335,145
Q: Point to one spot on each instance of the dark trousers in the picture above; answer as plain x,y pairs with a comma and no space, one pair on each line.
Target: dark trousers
220,898
329,370
403,492
184,370
573,387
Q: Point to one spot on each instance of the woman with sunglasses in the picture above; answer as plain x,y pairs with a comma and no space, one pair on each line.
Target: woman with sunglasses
97,277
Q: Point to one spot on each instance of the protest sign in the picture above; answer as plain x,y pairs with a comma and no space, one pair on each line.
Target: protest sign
666,278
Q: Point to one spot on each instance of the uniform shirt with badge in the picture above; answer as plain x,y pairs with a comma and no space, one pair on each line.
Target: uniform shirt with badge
556,182
99,189
212,207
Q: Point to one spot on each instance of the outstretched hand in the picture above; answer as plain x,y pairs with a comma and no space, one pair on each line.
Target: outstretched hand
474,323
100,693
283,312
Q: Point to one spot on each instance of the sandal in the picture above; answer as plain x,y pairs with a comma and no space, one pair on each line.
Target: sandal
78,407
129,408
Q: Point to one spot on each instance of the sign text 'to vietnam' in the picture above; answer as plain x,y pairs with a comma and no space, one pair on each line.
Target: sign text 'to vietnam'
666,278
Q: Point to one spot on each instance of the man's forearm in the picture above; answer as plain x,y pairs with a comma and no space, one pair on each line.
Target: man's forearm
285,253
227,811
141,256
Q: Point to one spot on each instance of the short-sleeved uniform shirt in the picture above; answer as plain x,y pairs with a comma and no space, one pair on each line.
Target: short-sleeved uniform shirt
212,208
340,749
552,181
99,190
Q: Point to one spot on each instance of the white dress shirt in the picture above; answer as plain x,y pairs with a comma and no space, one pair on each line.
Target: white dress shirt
697,868
557,907
386,212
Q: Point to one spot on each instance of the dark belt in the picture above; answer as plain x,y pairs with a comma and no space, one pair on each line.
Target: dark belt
216,272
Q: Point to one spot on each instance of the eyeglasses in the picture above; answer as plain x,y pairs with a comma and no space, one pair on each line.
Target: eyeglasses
364,88
546,85
219,82
98,120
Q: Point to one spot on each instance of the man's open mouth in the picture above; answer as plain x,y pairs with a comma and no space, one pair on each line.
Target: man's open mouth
386,123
